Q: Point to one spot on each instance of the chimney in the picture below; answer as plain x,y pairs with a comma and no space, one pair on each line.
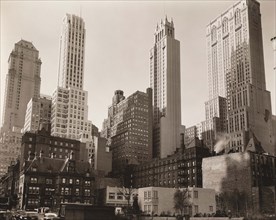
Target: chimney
29,156
35,155
41,154
71,156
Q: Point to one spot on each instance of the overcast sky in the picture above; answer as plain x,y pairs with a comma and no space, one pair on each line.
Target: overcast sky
119,35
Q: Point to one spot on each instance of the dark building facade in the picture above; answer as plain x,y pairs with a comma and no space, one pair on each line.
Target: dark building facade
181,169
129,129
47,182
52,146
9,185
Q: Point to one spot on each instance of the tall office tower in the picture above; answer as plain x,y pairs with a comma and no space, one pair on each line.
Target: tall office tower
38,113
165,83
69,102
236,71
22,84
130,130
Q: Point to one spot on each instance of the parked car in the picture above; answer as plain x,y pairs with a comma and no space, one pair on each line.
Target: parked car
29,216
50,216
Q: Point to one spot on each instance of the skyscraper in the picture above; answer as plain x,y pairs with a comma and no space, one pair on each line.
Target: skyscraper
22,84
236,71
129,129
165,83
69,103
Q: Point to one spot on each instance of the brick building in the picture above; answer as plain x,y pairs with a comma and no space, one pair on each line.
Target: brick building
128,129
52,146
178,170
47,182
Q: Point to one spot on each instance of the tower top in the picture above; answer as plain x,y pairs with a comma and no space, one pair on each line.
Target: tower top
27,44
164,28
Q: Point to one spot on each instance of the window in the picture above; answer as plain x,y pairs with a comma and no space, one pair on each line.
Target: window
77,193
87,183
77,181
211,208
62,191
48,191
33,190
111,195
70,181
149,194
237,17
67,191
63,180
49,181
155,194
145,195
120,196
87,192
196,208
33,180
214,33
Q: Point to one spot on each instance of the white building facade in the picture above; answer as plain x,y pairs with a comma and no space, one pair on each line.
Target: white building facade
69,103
165,84
157,200
236,71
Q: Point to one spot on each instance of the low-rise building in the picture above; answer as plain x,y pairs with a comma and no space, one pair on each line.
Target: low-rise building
160,200
47,182
181,169
248,176
116,196
52,146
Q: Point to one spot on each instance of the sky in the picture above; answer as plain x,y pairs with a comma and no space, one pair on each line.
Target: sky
119,36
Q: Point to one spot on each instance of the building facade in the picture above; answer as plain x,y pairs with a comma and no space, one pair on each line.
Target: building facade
130,132
116,196
10,145
47,182
160,200
50,146
247,176
38,112
22,84
165,84
190,134
69,102
181,169
236,71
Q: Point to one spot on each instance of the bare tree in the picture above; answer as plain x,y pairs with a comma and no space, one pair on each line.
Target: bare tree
126,189
181,200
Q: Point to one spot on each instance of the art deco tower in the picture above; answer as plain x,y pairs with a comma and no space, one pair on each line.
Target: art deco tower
22,84
69,103
236,71
165,83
